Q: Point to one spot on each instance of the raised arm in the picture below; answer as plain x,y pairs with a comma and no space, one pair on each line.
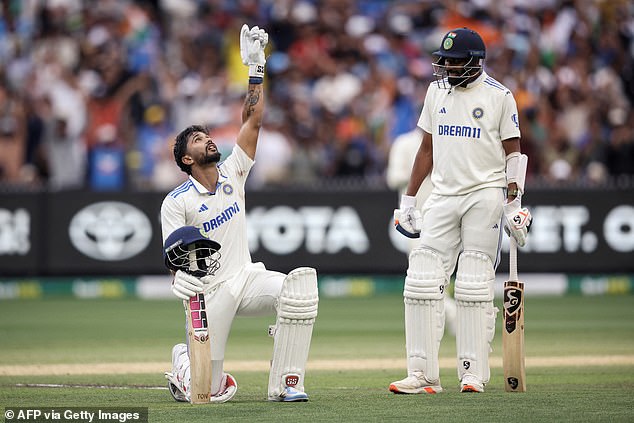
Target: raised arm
252,44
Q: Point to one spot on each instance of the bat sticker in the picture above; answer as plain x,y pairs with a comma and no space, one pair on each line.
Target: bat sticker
512,307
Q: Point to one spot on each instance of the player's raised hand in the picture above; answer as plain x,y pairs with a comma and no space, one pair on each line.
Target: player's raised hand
252,44
185,285
407,217
518,221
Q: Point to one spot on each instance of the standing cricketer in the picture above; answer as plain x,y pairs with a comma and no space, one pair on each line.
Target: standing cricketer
471,148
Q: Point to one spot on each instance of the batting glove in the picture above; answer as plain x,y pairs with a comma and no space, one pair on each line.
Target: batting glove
518,221
252,44
185,286
407,217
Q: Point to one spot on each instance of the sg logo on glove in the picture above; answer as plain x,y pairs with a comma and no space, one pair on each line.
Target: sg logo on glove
521,217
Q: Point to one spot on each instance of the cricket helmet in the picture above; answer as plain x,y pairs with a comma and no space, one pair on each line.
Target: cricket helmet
463,45
187,249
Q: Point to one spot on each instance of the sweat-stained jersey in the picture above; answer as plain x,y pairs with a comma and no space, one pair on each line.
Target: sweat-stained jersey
468,126
221,216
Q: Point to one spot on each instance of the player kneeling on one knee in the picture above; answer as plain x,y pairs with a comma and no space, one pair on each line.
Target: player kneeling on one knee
194,258
209,211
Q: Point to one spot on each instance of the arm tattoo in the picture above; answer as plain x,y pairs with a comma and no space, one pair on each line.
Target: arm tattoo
253,97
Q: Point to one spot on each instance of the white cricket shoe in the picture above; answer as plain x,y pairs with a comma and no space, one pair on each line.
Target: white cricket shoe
470,383
290,394
416,383
177,394
175,379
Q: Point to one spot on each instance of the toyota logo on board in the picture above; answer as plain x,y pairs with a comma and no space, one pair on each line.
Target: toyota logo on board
110,231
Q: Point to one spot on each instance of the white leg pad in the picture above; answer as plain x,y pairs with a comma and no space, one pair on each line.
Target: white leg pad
296,313
475,314
424,312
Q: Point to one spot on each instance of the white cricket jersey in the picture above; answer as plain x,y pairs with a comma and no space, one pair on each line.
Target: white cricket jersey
221,215
468,126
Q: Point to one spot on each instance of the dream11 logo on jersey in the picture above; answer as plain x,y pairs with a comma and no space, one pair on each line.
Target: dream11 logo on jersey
110,231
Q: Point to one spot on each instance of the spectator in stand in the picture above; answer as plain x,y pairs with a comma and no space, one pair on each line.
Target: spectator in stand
12,135
565,60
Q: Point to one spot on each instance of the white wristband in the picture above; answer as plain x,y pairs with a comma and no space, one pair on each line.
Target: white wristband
256,72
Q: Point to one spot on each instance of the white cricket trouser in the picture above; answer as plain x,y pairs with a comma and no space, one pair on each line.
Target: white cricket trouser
470,222
252,292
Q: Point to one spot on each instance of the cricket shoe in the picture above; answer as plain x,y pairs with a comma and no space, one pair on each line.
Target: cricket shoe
470,383
290,394
175,379
176,388
416,383
228,390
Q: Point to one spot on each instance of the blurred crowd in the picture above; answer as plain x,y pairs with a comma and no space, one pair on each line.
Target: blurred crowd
93,92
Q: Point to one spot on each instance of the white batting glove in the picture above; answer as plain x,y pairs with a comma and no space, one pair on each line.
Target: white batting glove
407,217
252,44
518,221
185,286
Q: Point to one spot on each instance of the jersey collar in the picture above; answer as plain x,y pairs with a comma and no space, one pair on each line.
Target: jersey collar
201,188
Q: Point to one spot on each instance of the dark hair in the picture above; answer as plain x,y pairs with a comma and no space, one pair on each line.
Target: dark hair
180,145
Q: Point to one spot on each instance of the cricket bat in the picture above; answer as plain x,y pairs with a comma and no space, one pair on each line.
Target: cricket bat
513,355
199,350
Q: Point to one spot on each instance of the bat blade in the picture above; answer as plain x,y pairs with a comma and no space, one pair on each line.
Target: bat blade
513,354
199,350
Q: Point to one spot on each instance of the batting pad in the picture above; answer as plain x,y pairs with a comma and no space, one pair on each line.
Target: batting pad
475,314
296,313
424,312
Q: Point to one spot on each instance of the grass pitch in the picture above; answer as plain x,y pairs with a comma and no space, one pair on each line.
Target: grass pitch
580,362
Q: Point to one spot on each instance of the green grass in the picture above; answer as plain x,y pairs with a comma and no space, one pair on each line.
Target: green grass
64,331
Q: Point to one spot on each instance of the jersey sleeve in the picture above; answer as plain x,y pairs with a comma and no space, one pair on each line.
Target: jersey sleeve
237,166
509,124
172,216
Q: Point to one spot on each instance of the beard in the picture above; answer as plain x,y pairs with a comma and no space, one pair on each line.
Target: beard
456,80
211,158
463,79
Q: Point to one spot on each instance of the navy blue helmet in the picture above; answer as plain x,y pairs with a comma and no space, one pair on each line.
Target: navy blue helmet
187,249
462,43
459,58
